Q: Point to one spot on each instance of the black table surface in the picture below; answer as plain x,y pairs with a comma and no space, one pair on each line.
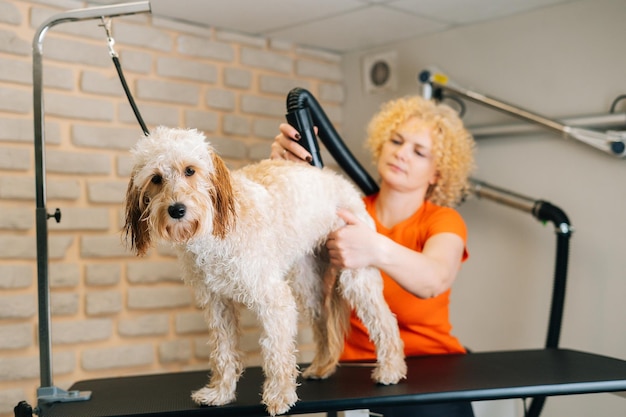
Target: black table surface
442,378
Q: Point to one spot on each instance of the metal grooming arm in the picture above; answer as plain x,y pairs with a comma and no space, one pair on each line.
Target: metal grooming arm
543,211
611,142
47,392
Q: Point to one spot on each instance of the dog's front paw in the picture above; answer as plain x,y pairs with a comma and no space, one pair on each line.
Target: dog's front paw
389,373
279,403
212,396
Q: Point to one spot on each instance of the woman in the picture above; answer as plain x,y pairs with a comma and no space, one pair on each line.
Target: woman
424,156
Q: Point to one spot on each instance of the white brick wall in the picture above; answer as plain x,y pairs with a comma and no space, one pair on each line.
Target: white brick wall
103,302
158,298
112,313
15,100
130,356
81,331
16,336
168,91
75,107
66,50
147,325
18,306
203,48
148,272
102,274
63,275
64,304
12,43
16,219
68,162
16,276
186,70
9,13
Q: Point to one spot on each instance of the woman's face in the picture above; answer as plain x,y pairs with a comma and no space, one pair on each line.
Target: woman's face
406,162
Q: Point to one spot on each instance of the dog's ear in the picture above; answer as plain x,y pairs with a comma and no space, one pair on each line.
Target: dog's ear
136,231
222,198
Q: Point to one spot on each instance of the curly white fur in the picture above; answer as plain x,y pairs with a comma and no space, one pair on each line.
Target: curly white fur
256,236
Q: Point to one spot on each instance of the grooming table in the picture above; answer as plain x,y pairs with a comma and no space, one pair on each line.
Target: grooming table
442,378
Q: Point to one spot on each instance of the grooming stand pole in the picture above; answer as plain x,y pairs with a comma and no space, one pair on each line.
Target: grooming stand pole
47,392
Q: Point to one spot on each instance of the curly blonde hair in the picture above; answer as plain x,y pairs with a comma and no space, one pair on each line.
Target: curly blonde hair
453,145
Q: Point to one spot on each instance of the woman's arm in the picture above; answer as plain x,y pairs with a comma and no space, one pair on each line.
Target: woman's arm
425,274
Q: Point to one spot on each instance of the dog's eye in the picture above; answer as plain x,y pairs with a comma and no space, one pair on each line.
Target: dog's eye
189,171
156,179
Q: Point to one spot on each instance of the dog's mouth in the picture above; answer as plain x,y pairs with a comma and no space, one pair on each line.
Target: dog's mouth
180,231
177,224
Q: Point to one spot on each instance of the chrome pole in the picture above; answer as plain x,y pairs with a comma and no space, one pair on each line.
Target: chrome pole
614,121
505,107
483,190
47,392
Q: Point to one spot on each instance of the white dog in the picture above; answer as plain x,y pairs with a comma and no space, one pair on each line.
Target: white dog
256,236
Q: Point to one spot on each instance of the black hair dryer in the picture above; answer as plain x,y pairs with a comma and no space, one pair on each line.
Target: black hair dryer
299,116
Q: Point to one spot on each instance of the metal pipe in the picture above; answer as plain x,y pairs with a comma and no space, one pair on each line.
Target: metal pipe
543,211
505,107
483,190
113,10
598,121
40,166
611,142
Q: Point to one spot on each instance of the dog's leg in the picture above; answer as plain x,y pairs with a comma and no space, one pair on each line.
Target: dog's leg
363,289
278,315
225,360
315,285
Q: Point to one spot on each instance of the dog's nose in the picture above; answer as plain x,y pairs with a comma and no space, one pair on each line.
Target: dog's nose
177,210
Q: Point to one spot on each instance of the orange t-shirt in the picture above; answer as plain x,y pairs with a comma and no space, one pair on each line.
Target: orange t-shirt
424,323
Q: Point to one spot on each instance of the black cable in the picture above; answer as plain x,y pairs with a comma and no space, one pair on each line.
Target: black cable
617,100
545,211
131,100
457,100
439,96
525,406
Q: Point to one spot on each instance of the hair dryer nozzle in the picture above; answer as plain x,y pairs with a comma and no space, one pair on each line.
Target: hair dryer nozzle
300,118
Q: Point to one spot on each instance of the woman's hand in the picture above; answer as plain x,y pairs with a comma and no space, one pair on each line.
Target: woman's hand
351,246
285,145
425,274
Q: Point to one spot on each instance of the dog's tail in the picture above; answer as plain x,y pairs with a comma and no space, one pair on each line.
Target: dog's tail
336,311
